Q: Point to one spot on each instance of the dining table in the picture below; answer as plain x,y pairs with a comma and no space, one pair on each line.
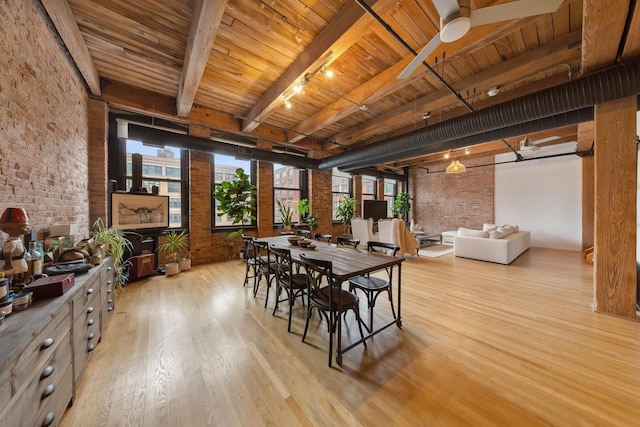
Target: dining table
348,263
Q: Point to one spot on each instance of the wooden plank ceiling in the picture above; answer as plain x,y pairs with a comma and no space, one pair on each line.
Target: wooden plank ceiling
231,65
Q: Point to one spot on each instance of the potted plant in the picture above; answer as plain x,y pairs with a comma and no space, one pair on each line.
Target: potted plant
185,261
312,222
286,214
115,243
402,205
175,245
237,199
345,212
303,209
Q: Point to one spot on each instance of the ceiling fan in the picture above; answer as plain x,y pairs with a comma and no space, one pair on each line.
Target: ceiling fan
456,19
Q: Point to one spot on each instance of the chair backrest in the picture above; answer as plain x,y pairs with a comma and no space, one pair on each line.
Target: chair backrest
386,230
283,264
262,254
383,248
317,270
304,233
347,241
362,229
323,237
247,247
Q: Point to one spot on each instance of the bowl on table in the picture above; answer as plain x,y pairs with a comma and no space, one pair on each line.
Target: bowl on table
311,246
304,243
294,240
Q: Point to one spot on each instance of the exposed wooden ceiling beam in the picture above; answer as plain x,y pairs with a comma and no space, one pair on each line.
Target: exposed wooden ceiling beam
65,23
602,29
206,20
339,35
632,42
565,49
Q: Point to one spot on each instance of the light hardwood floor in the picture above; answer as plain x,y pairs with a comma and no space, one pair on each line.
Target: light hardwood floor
481,345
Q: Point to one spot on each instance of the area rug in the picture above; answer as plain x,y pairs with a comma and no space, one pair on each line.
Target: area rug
435,251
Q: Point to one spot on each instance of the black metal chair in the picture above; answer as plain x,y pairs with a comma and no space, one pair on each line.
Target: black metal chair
347,241
303,233
251,265
265,267
321,237
294,284
325,295
374,286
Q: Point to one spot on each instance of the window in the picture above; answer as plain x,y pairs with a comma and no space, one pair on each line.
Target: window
369,188
224,169
390,191
341,189
288,183
161,168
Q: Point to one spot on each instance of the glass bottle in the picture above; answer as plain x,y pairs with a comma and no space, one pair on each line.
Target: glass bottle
34,260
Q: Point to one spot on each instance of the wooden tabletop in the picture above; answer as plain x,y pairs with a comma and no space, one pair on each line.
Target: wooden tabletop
347,262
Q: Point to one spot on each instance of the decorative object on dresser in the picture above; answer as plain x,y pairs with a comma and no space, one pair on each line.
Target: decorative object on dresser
116,244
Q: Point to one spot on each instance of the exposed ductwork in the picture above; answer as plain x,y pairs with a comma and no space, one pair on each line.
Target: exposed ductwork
547,109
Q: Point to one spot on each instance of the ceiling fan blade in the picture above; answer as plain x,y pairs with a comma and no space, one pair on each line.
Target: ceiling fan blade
446,8
420,57
513,10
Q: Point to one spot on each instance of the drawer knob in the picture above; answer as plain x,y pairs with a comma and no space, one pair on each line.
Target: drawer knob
91,322
90,310
89,291
109,301
109,290
48,391
110,308
108,268
46,372
47,343
48,419
91,336
90,348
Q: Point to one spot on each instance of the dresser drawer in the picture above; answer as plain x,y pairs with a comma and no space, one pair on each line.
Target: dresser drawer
51,384
54,407
56,333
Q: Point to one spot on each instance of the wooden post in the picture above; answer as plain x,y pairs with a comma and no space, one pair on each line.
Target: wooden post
615,165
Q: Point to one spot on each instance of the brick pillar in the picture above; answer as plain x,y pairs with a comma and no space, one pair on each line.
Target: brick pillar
321,198
98,185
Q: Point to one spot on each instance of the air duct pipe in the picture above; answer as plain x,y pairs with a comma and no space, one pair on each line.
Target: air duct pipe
617,82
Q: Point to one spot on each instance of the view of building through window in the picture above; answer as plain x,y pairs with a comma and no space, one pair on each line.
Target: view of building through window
341,188
369,188
160,168
390,191
286,188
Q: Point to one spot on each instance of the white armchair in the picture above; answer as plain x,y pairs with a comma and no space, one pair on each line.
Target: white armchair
395,231
362,229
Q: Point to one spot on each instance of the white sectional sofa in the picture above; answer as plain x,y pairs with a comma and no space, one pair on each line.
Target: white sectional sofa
490,244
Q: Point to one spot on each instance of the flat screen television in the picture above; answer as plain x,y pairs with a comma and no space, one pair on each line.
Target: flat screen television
375,209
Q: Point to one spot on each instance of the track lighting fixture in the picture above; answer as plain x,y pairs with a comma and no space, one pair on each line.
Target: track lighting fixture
322,69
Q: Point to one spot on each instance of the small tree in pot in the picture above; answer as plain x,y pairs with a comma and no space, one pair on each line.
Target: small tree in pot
176,246
402,205
345,212
286,214
237,199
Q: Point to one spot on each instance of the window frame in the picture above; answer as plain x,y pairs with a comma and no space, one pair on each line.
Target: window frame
337,196
302,188
253,168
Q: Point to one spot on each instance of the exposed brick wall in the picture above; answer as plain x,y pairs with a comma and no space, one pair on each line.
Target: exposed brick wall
202,248
444,202
43,122
320,185
265,198
98,115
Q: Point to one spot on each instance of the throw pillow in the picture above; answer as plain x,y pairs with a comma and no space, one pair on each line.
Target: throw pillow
488,227
468,232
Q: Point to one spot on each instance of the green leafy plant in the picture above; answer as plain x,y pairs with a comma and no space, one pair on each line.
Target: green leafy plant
237,199
286,213
402,204
312,221
175,244
303,207
345,212
116,243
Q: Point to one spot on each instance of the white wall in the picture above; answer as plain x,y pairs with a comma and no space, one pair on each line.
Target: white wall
543,196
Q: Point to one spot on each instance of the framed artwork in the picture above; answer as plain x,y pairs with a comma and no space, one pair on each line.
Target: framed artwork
133,211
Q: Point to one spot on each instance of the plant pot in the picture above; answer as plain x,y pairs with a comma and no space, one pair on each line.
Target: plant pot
185,264
172,268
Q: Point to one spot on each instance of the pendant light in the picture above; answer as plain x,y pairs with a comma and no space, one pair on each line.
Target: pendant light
456,167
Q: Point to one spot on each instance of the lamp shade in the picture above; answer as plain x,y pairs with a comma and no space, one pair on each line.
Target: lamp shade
456,167
14,221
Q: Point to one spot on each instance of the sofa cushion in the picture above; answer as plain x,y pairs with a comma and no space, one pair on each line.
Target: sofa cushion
468,232
502,231
488,227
